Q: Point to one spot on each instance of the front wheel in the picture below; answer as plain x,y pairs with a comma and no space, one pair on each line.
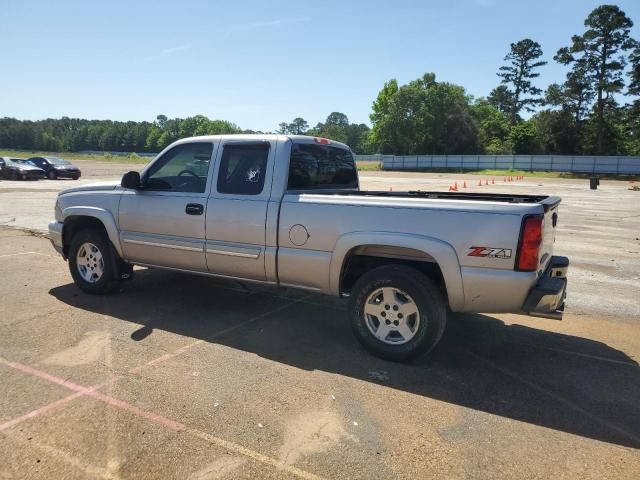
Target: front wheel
90,262
397,313
52,175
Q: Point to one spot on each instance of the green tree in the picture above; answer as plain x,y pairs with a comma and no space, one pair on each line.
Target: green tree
574,96
524,138
493,128
337,119
557,132
381,104
523,60
424,117
501,98
337,127
598,56
298,126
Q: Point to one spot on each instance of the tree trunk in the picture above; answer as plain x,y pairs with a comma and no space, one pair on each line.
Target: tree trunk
600,122
601,78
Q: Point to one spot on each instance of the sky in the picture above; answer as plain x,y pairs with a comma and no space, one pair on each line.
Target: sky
259,63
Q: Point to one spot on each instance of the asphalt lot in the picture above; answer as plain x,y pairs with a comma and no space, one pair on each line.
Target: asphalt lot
179,376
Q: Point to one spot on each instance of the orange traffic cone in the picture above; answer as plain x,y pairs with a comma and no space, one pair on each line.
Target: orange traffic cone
493,181
480,182
464,185
453,189
504,179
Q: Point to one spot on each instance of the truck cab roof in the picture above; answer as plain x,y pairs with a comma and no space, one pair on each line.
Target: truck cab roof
257,137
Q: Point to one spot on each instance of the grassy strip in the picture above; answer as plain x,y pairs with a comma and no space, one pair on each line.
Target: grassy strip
513,173
362,166
368,166
105,157
131,158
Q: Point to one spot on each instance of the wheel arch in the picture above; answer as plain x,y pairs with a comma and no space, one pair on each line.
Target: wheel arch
437,259
78,218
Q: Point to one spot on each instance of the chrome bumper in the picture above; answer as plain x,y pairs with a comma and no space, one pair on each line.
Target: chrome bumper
546,298
55,235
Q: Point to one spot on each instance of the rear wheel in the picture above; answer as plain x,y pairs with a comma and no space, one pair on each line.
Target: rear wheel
397,313
52,175
90,262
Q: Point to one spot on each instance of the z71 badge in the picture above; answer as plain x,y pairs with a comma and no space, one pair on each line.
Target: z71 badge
490,252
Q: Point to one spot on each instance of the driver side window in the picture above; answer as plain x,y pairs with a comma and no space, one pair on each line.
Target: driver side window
184,168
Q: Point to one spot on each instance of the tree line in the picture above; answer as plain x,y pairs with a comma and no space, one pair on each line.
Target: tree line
74,134
585,114
596,110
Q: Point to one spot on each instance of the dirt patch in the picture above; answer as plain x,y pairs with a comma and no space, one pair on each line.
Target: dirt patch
312,432
88,350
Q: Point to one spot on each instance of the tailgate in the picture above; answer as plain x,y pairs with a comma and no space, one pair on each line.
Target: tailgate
550,205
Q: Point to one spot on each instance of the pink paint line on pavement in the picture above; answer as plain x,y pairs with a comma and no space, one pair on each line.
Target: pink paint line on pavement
166,356
39,411
80,391
48,377
154,417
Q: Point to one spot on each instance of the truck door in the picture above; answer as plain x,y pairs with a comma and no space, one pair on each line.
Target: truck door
163,223
237,209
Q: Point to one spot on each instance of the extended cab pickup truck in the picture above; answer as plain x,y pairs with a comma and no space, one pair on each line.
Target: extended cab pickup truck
287,210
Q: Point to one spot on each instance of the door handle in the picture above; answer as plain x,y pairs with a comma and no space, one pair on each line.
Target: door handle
194,209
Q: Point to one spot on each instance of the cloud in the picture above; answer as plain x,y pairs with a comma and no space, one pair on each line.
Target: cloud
168,52
278,22
180,48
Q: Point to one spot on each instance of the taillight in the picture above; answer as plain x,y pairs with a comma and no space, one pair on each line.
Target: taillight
321,141
529,246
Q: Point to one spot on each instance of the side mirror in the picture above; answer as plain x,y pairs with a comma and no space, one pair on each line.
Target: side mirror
131,180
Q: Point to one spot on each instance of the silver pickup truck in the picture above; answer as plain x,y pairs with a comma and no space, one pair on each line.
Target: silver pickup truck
287,211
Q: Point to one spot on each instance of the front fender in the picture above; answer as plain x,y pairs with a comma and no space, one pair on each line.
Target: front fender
443,254
101,214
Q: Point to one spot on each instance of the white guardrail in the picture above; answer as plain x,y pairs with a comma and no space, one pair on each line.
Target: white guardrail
556,163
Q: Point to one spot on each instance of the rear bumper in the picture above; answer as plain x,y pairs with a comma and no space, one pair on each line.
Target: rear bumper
32,175
546,298
68,173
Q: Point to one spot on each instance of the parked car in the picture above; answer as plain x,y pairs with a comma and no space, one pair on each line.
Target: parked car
55,167
19,169
287,211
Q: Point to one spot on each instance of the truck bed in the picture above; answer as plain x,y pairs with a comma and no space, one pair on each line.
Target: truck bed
546,201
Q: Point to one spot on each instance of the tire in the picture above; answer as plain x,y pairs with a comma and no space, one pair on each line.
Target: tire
97,276
52,175
409,290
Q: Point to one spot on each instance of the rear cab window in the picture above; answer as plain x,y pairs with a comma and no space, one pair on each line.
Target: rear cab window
321,167
243,168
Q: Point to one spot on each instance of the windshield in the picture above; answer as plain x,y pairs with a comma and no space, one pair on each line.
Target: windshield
57,161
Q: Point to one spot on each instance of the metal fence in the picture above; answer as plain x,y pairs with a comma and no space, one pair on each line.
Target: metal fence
555,163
